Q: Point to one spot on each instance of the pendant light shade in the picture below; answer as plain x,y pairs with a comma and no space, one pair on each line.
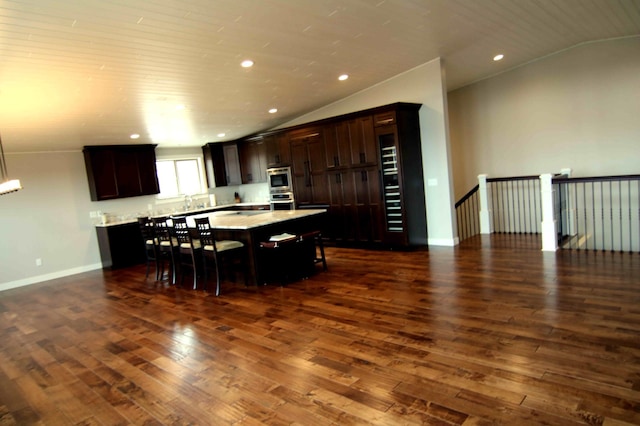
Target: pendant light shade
6,185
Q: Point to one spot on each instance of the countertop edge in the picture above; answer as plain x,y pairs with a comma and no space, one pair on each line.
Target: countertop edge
181,213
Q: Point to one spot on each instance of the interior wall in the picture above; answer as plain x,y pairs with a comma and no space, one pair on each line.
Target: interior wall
48,219
576,109
424,85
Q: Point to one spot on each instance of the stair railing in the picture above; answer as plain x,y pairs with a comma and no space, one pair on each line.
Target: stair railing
598,213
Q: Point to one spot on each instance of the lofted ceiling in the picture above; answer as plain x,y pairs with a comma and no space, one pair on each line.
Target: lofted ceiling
87,72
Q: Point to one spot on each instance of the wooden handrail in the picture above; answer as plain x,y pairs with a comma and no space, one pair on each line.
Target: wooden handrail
467,195
596,178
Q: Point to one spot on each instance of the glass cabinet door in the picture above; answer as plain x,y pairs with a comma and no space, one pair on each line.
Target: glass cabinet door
391,184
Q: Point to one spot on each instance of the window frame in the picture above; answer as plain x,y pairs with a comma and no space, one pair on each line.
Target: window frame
201,174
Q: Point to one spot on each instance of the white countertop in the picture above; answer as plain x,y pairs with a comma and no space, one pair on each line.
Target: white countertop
204,210
241,220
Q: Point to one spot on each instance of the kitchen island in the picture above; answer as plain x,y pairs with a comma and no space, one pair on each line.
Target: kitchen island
252,227
121,243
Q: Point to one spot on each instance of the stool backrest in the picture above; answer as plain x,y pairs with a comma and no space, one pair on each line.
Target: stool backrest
161,229
146,229
206,235
181,232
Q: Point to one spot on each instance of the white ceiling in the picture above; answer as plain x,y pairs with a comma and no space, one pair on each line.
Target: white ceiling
85,72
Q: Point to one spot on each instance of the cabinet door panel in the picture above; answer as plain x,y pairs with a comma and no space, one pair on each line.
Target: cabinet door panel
147,172
277,147
232,164
253,161
308,168
300,172
337,145
102,175
363,142
367,193
127,175
214,165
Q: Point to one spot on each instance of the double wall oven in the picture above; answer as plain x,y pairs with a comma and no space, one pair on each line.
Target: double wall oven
280,188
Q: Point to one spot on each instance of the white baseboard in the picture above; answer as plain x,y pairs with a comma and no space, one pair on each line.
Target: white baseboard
46,277
444,242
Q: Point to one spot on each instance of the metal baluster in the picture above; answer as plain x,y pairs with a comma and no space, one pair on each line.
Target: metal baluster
611,214
620,213
586,221
466,218
530,228
593,213
602,214
509,206
630,223
576,221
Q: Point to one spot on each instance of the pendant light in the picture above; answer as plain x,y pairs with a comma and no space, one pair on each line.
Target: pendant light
6,185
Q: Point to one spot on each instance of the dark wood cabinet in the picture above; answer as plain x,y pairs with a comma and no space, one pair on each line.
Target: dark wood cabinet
253,160
214,165
120,245
337,145
341,225
308,167
367,206
364,150
403,214
120,171
278,150
366,166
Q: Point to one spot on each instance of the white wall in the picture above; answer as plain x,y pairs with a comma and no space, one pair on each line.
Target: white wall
48,219
424,85
579,108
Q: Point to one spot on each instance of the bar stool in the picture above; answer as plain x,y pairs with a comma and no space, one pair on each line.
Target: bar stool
220,253
188,249
313,240
150,244
166,244
280,259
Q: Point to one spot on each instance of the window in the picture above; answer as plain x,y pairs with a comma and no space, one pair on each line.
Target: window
180,177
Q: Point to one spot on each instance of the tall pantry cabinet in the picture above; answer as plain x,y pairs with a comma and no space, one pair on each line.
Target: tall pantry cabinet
397,134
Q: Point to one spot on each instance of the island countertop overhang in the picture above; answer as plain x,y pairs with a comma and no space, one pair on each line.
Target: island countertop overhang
239,220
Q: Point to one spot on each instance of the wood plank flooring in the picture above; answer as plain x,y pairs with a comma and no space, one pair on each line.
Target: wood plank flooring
493,331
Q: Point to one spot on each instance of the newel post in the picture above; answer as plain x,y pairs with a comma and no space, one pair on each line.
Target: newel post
486,219
549,228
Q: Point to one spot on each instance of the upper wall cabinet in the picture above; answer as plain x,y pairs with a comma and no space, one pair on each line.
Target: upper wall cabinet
215,168
232,164
120,171
253,160
278,151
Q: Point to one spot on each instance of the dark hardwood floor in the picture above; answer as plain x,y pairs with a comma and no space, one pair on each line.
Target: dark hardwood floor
493,331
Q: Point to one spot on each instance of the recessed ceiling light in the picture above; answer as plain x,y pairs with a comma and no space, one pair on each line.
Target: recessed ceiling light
343,77
134,136
179,107
273,110
222,135
247,63
498,57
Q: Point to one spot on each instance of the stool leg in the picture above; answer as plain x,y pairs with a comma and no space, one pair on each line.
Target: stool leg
321,246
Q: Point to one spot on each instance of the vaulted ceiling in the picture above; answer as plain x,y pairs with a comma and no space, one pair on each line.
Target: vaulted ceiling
87,72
